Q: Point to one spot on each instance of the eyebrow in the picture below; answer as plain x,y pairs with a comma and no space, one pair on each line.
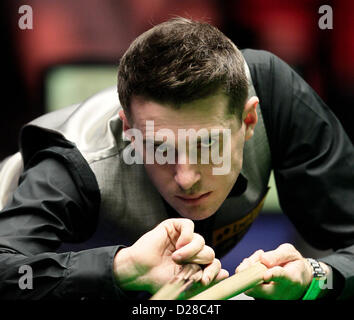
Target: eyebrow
210,135
155,142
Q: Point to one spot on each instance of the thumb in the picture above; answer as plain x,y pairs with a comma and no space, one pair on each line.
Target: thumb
283,254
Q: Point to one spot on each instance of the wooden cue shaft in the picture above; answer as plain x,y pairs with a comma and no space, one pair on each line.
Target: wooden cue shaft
235,284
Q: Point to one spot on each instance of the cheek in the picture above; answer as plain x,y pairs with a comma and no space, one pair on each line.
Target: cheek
237,160
160,175
237,153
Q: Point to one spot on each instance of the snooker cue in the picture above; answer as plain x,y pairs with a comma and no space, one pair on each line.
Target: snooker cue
235,284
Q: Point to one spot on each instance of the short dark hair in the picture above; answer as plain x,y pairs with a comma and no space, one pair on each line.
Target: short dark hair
179,61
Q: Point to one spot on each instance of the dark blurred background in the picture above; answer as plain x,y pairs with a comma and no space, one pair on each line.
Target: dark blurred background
99,31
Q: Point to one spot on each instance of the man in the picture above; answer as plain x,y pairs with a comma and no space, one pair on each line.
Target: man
83,181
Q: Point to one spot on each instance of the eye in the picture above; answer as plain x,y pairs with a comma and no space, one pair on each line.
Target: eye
207,142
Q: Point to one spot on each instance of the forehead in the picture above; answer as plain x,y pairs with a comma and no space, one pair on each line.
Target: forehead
209,112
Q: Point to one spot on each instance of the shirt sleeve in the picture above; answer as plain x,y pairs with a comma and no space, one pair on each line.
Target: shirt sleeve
56,201
312,159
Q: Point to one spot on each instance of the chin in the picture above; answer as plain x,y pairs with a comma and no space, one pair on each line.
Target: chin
193,215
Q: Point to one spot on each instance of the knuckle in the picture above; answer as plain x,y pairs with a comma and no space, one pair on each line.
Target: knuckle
189,221
185,221
287,246
257,255
199,238
282,273
278,276
171,220
209,252
212,253
217,262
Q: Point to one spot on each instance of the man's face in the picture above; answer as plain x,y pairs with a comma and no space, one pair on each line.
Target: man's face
191,188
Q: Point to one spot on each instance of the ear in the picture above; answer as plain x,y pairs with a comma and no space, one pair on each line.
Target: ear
124,118
249,116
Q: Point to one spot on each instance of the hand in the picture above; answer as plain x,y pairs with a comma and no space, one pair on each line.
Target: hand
288,277
156,257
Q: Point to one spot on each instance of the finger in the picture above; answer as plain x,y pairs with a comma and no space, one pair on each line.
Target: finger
187,252
223,274
197,276
204,256
186,230
276,273
283,254
295,272
179,230
190,271
211,271
246,263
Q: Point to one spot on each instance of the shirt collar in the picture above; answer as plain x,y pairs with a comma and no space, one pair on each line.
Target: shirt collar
239,187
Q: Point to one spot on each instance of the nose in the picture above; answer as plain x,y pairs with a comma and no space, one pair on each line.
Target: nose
187,175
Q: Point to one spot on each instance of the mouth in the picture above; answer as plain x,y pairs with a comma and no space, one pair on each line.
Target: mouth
194,199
